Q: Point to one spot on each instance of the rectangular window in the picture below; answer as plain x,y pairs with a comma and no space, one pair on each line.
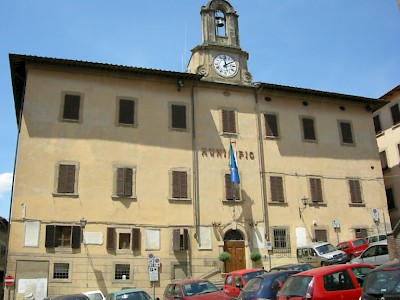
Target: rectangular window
320,235
308,129
390,198
360,232
377,124
124,182
178,116
281,240
66,179
61,271
316,190
232,190
124,240
346,132
126,112
180,239
63,236
228,121
71,107
179,185
355,191
383,158
122,272
271,125
395,114
276,183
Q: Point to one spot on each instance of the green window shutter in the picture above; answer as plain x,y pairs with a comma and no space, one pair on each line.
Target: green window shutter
76,237
178,113
50,236
71,107
126,112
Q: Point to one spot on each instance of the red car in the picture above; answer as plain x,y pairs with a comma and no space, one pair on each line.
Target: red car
328,283
234,281
353,248
193,289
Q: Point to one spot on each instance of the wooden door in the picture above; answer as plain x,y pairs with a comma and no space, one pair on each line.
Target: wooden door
237,252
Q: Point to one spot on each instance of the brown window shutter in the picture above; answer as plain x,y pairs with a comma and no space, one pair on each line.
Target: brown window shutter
71,107
316,190
355,191
76,237
179,184
126,111
271,125
228,187
124,181
178,116
111,234
277,189
228,121
308,128
50,236
136,238
66,179
176,238
347,136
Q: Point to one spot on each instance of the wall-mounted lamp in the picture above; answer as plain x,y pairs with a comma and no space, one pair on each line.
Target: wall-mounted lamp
251,223
83,222
180,85
216,223
304,201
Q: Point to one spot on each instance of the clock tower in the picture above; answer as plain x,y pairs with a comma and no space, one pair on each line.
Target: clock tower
219,58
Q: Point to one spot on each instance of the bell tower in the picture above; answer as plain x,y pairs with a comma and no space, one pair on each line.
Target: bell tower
219,58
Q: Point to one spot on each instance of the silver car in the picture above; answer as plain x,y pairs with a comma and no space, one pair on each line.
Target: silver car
376,254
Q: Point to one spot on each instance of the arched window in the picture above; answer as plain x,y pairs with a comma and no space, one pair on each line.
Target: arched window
220,25
233,235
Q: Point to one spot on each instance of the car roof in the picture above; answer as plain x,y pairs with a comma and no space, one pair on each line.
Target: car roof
126,291
352,240
313,244
330,269
384,242
276,274
71,296
188,281
392,265
290,265
245,271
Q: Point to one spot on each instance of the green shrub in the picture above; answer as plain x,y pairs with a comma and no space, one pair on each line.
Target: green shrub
224,256
255,256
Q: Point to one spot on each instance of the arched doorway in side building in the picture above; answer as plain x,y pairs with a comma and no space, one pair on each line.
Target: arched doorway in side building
234,244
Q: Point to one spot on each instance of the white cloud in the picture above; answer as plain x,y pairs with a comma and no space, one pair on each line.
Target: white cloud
5,183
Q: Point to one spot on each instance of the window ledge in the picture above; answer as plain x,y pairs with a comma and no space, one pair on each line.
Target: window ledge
232,201
395,126
382,133
271,137
65,195
276,203
179,199
116,197
356,204
318,204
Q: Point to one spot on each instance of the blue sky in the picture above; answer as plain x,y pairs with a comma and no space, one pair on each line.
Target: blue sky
342,46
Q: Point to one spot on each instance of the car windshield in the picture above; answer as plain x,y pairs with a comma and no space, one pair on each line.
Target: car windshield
325,248
134,296
198,288
253,285
95,296
296,286
248,276
384,282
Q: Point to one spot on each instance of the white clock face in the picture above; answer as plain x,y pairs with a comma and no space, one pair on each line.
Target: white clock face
225,65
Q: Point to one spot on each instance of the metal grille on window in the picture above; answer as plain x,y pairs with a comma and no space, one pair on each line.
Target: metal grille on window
61,271
122,271
281,241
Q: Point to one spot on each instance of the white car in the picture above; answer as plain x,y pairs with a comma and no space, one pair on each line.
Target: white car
95,295
376,254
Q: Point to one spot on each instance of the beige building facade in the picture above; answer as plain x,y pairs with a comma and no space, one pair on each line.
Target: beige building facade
120,169
387,129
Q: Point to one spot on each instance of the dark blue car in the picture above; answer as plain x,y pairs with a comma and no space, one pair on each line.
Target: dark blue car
265,286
